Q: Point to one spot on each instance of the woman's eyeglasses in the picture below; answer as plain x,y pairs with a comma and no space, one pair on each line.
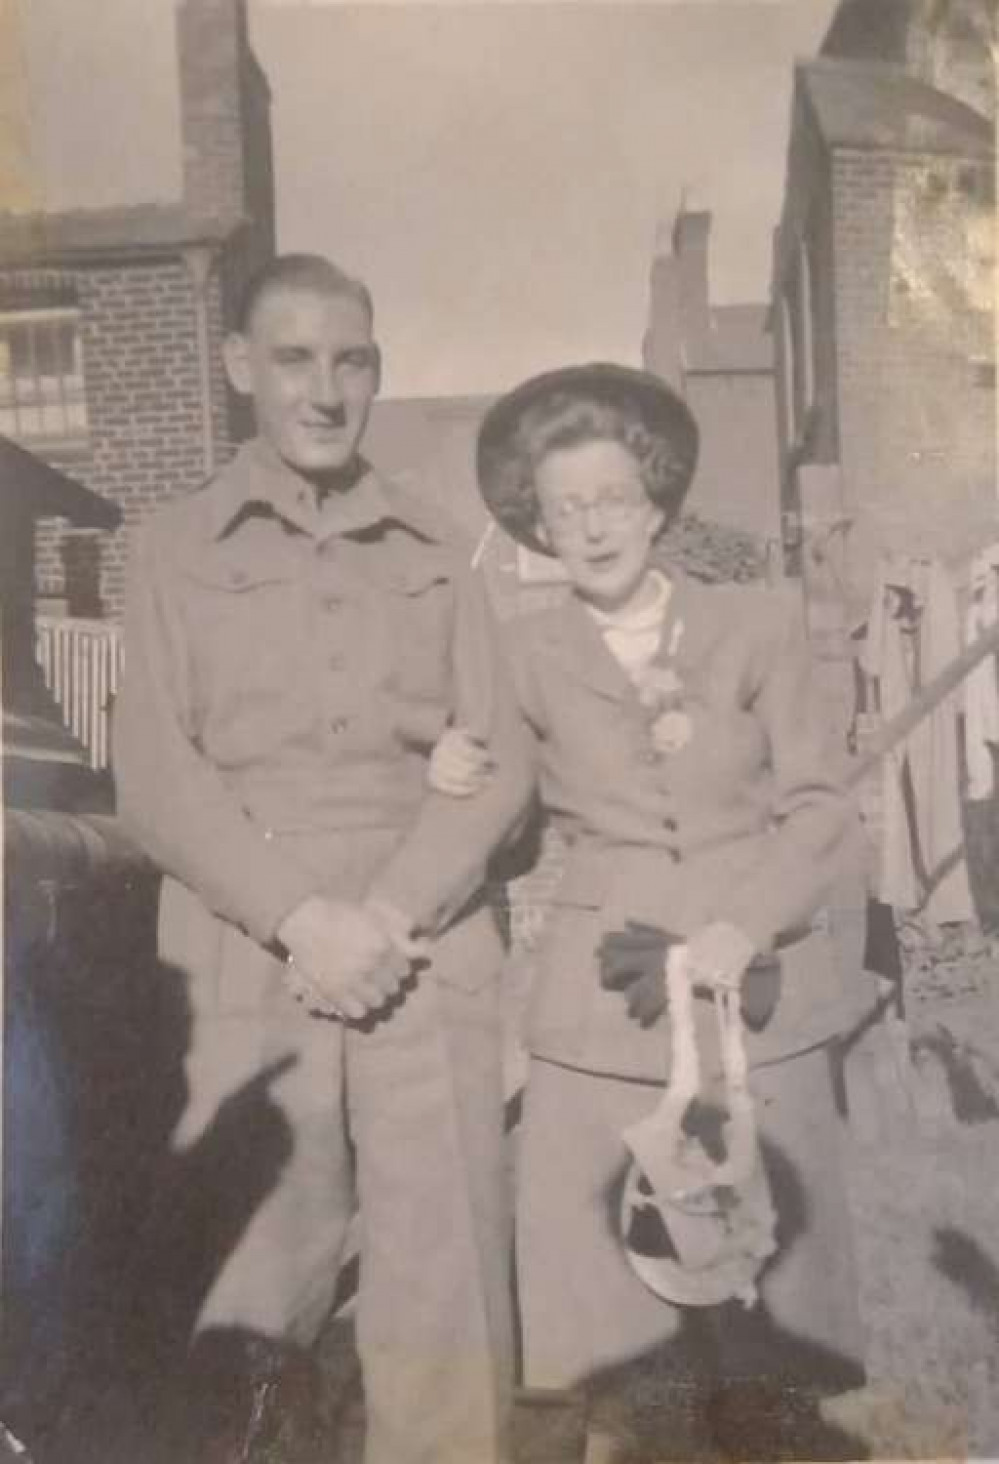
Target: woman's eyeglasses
616,507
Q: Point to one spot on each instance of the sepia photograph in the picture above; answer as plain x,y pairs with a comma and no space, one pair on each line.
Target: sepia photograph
499,607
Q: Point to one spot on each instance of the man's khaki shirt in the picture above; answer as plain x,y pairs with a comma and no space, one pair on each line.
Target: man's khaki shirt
288,668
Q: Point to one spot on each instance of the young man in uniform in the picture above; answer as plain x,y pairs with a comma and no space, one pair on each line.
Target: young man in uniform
298,635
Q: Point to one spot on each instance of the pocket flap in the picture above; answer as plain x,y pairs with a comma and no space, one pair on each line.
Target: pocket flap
238,572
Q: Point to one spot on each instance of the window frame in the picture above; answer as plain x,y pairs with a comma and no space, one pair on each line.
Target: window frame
26,418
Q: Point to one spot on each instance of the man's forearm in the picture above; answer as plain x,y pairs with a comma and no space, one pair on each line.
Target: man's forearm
442,861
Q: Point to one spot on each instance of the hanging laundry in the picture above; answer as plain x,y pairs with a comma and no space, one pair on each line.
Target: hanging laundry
913,633
981,689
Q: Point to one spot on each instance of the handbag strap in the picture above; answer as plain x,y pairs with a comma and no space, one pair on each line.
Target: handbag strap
685,1079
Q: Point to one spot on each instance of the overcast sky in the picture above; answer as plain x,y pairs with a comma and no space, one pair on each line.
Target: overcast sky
497,171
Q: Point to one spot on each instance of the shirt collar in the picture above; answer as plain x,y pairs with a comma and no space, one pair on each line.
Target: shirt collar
257,478
648,618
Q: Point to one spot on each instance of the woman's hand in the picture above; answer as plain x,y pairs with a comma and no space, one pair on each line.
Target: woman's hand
460,764
717,956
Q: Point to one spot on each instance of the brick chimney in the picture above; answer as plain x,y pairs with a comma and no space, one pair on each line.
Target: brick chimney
211,46
690,248
662,345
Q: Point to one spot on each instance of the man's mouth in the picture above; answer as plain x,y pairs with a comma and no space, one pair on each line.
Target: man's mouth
602,561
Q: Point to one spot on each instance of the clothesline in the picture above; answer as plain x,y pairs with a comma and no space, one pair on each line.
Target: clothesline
931,654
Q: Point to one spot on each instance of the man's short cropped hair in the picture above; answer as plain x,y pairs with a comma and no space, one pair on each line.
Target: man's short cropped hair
311,272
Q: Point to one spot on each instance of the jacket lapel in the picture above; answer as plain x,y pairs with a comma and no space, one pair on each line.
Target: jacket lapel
578,649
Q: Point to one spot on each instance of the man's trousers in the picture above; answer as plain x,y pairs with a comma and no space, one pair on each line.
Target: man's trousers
403,1122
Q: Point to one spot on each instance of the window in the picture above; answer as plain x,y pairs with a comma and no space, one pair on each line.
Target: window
41,375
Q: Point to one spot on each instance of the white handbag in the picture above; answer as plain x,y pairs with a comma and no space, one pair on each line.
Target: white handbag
713,1221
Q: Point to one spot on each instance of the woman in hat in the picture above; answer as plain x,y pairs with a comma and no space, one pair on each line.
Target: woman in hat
683,759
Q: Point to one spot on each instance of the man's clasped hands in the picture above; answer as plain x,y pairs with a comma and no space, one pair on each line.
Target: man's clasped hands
347,960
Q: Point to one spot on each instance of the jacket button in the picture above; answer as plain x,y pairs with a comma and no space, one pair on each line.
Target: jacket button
237,577
670,825
331,602
339,724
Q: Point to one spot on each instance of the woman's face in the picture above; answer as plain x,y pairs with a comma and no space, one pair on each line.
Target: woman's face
598,519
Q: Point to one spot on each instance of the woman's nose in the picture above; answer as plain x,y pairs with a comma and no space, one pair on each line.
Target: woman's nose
593,521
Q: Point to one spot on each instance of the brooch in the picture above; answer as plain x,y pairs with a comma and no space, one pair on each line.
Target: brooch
671,731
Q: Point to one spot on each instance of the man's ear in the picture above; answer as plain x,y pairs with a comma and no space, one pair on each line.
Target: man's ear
236,357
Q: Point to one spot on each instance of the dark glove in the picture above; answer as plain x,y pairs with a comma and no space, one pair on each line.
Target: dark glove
633,961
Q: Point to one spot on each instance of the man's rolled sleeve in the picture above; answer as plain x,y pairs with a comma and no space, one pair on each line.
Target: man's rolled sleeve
442,861
170,797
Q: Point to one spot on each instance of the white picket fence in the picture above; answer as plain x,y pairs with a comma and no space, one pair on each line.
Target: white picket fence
81,663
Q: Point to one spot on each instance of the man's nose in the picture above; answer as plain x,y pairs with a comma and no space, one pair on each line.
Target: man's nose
325,385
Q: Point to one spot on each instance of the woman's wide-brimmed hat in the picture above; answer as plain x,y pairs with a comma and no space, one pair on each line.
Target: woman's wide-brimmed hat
507,455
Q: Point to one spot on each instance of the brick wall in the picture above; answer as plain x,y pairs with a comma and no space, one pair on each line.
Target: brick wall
144,395
140,320
903,395
916,411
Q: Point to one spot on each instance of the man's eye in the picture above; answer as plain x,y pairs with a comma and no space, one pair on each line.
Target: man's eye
358,360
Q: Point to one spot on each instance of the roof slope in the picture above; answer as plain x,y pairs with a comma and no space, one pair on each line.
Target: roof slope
50,492
873,104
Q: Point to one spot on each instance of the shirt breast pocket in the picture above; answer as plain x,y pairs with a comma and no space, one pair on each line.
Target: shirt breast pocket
247,633
421,616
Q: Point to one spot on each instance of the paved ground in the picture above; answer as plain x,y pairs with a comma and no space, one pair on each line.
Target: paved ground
924,1169
925,1173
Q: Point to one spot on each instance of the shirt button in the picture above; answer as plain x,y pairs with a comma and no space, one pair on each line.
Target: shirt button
331,602
650,757
339,724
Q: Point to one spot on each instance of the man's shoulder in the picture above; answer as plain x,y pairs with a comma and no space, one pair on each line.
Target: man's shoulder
191,517
427,518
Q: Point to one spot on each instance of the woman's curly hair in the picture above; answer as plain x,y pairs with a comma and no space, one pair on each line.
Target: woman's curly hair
569,418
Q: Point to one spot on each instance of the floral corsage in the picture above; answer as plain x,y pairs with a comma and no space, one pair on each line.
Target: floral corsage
660,691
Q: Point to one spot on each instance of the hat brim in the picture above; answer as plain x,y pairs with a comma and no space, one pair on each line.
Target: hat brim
663,414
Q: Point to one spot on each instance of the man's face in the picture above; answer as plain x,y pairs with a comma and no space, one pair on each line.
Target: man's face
310,364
